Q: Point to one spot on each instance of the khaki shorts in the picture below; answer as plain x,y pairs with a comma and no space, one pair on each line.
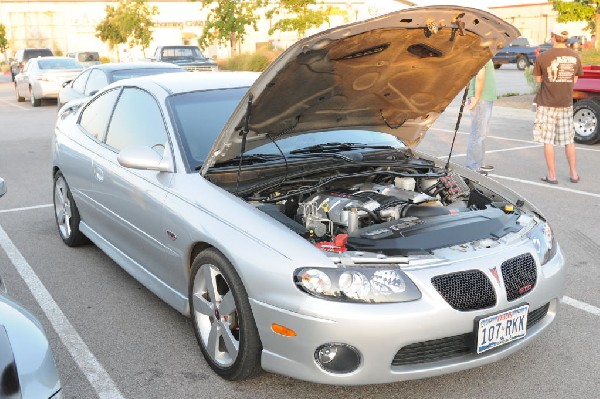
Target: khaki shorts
554,125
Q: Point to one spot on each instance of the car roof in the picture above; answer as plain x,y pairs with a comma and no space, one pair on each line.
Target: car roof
184,82
118,66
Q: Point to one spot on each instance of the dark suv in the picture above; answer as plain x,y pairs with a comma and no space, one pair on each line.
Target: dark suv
22,56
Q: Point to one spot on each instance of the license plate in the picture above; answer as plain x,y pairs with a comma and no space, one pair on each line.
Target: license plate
501,328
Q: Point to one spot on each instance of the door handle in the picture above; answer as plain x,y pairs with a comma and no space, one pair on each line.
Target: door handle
98,173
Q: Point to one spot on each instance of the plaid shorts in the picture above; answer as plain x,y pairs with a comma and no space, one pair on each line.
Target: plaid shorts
554,125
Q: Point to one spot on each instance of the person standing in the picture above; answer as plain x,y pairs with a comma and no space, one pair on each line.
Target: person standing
482,94
556,70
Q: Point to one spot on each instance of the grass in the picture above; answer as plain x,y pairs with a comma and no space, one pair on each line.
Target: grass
590,57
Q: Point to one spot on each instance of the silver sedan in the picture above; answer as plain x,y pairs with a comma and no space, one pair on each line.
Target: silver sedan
290,215
42,78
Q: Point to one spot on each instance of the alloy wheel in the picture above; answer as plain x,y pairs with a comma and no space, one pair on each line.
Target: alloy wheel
62,207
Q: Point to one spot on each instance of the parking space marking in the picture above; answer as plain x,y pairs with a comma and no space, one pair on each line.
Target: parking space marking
14,105
27,208
586,307
85,359
542,184
579,147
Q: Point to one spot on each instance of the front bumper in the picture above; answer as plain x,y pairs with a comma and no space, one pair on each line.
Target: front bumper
381,332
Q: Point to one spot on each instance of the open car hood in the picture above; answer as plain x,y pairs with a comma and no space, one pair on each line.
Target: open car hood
394,74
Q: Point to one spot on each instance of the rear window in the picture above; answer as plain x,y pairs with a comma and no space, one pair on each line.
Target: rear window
42,52
88,57
133,73
65,63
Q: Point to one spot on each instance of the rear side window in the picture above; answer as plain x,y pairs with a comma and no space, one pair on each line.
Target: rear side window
95,117
96,81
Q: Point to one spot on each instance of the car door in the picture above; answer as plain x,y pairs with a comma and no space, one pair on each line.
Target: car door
77,155
132,200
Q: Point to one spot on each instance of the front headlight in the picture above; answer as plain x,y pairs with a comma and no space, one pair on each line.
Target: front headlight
366,284
544,242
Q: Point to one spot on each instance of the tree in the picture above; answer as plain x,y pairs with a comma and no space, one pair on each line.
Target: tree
129,23
3,40
301,16
227,22
580,10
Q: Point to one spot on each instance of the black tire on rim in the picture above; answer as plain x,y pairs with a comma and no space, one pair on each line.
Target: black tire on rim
522,62
222,317
19,98
586,119
67,214
497,66
35,102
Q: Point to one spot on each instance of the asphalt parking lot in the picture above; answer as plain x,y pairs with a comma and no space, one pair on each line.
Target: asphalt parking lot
114,339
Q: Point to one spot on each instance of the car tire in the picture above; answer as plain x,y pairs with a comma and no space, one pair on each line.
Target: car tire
35,102
522,62
586,118
497,66
19,98
66,213
222,317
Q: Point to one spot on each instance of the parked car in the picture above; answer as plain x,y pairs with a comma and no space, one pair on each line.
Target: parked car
290,215
42,78
91,80
27,369
188,57
22,56
586,106
518,52
86,58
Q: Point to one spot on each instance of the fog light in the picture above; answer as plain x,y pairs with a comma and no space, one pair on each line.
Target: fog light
337,358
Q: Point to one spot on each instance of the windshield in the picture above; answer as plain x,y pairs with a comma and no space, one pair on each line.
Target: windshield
175,53
88,57
63,63
199,117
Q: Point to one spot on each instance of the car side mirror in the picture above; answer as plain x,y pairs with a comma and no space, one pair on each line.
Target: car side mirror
2,187
144,158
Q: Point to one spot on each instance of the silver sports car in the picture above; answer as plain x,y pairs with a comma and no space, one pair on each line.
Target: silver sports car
290,216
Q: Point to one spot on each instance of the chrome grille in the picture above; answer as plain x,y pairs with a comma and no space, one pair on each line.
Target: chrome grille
519,275
464,291
449,347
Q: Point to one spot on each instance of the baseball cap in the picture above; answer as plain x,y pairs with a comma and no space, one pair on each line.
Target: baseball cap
560,30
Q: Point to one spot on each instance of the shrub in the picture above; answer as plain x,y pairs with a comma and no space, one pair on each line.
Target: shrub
531,80
104,59
256,62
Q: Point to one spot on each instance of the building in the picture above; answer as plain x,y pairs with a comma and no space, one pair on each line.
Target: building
70,25
535,19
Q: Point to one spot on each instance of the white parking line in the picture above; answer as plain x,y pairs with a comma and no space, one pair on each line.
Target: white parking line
586,307
27,208
536,144
542,184
14,105
85,359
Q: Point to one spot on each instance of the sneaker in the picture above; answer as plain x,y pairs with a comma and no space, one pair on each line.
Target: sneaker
486,167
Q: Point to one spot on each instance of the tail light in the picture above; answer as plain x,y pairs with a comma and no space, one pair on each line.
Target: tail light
537,51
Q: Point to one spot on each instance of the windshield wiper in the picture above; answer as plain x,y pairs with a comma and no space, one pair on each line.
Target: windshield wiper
250,159
337,147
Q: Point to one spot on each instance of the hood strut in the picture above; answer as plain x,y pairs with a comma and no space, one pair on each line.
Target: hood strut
245,131
460,113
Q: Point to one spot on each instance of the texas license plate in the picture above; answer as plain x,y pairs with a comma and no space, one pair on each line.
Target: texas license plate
501,328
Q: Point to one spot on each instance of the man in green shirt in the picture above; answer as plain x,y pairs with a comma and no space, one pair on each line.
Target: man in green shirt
482,94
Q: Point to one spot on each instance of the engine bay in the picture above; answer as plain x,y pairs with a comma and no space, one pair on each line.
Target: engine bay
411,207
